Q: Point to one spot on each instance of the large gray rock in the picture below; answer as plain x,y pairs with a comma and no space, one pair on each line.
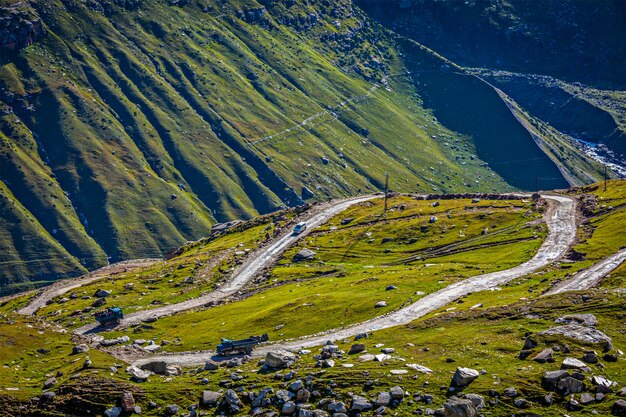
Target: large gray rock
116,341
356,348
477,400
337,407
138,374
50,382
102,293
419,368
304,255
544,356
279,359
588,320
127,402
552,377
459,407
397,393
619,408
360,404
113,412
288,408
384,398
602,381
464,376
573,363
171,410
570,385
580,333
232,400
82,348
210,398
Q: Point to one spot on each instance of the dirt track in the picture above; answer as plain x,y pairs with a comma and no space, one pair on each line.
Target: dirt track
244,274
561,221
591,276
61,287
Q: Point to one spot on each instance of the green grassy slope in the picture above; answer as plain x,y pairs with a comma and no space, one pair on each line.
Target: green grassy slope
132,127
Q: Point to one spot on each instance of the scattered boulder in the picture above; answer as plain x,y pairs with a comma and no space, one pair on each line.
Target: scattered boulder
50,382
279,359
78,349
419,368
381,358
511,392
138,374
459,407
590,356
581,319
99,302
522,403
391,288
586,398
233,401
582,334
102,293
48,396
384,398
288,408
552,377
601,381
397,393
211,366
356,348
116,341
380,304
171,410
572,363
127,402
477,400
570,385
464,376
360,404
337,407
304,255
113,412
544,356
619,408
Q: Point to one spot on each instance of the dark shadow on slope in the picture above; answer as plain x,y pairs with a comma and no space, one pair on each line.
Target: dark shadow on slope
266,175
88,196
470,106
566,112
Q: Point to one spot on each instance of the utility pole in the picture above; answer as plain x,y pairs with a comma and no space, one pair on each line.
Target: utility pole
386,189
605,177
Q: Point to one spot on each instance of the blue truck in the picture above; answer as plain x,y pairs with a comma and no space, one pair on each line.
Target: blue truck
230,347
110,316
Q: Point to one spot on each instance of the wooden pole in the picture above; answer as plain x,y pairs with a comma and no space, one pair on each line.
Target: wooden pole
386,189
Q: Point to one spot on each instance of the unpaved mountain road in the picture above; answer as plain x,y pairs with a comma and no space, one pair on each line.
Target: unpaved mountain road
561,220
591,276
61,287
257,260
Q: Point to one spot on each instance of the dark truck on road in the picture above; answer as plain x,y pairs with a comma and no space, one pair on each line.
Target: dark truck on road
110,316
229,347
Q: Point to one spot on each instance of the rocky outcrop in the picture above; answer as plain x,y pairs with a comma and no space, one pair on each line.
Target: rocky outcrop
19,27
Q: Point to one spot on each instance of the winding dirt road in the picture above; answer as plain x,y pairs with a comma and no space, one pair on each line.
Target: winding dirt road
61,287
561,220
244,274
591,276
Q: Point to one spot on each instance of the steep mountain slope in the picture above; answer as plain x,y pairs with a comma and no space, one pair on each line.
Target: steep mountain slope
576,40
129,127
